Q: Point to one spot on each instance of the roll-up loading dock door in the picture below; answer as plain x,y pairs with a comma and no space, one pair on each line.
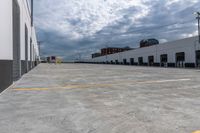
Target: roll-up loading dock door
16,41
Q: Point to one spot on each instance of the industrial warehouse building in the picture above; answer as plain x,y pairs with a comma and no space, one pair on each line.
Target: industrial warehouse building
180,53
18,44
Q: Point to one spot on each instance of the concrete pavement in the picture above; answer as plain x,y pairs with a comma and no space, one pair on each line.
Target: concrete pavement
83,98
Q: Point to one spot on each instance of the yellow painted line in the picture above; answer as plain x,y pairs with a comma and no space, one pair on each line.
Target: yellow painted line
83,86
196,131
31,89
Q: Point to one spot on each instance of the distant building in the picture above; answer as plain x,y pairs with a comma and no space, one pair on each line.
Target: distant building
113,50
51,59
96,55
184,53
148,42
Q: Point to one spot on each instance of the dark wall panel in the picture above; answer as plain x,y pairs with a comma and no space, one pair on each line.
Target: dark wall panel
5,74
23,67
29,65
171,64
190,65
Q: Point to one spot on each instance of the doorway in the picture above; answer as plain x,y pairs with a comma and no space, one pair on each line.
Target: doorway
151,60
16,41
132,61
198,58
124,61
163,60
180,59
116,62
140,60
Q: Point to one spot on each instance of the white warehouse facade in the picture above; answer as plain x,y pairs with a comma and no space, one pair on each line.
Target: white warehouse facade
180,53
18,43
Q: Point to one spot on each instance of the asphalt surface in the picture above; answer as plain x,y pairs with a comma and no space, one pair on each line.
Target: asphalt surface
83,98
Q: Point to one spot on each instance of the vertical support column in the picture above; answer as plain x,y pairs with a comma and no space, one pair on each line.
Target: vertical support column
199,26
31,13
16,41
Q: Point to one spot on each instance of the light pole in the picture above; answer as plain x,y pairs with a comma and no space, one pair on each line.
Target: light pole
198,18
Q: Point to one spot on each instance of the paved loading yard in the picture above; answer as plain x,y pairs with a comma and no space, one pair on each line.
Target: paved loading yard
82,98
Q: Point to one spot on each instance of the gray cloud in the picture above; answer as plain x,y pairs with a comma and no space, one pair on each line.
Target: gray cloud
73,28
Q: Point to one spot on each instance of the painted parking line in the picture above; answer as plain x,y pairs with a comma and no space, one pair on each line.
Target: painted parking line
66,87
31,89
196,131
101,85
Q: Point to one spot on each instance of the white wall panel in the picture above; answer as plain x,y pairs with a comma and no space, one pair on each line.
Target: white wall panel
6,30
188,45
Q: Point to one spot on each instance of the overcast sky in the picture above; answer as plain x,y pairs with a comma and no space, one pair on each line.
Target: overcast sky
70,28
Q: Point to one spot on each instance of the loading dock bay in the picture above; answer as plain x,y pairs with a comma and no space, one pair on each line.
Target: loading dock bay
90,98
179,61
